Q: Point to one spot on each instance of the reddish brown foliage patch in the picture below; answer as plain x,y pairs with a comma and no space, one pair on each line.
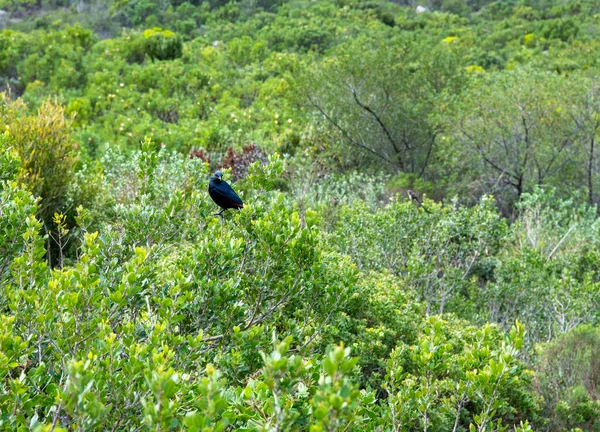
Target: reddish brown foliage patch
199,154
239,162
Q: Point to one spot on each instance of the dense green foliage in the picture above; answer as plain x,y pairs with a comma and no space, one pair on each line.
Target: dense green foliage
506,92
331,301
162,318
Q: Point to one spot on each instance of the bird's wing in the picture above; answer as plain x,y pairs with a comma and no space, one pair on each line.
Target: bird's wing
225,192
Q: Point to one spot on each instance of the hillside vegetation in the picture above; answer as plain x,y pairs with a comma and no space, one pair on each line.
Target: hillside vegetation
332,301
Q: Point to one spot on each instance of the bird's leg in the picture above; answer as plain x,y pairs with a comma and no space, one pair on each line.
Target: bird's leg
220,214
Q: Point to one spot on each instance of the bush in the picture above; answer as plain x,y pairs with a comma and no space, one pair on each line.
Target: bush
170,318
459,378
569,379
162,44
17,211
436,250
47,151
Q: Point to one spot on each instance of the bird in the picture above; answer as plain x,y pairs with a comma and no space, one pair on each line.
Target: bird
415,198
222,194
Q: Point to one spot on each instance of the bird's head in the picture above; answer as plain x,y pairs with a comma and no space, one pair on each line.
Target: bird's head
218,175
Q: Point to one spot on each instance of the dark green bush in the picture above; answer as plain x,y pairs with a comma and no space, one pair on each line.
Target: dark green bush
569,379
162,44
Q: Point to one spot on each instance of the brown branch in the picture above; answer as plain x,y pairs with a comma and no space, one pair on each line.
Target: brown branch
429,151
346,135
382,125
490,162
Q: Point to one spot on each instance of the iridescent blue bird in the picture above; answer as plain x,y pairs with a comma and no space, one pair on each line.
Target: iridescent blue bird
222,194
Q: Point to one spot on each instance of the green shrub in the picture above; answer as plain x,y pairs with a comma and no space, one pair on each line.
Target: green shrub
459,378
17,211
568,378
48,153
171,318
162,44
436,250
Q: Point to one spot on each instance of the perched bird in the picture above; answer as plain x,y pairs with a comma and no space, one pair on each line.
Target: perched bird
415,198
222,194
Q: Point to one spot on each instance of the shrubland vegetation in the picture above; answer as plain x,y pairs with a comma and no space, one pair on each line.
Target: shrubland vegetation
331,301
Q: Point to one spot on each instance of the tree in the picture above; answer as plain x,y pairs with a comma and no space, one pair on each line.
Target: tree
586,115
516,128
382,101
